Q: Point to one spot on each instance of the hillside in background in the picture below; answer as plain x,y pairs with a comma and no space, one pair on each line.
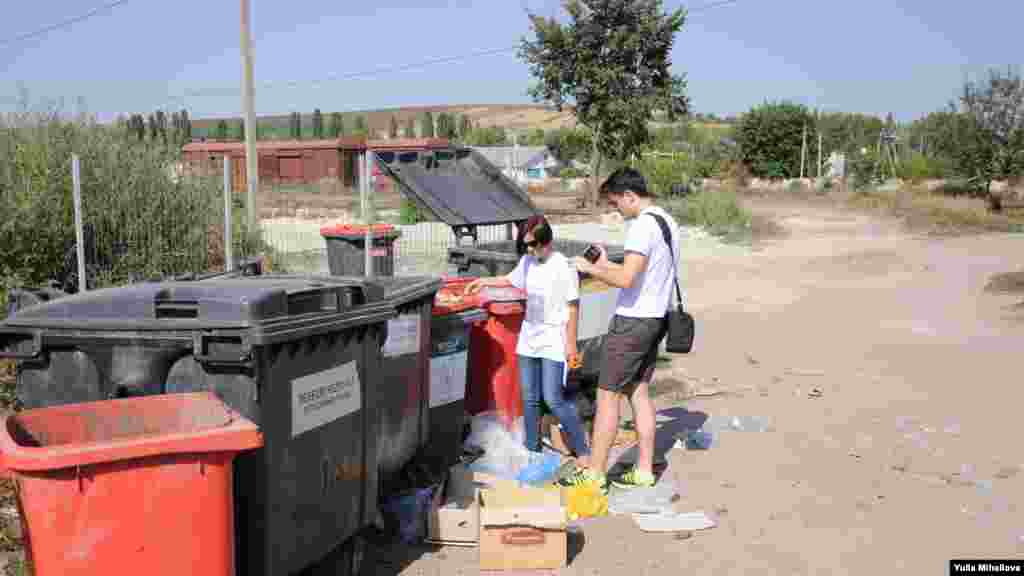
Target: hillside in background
509,116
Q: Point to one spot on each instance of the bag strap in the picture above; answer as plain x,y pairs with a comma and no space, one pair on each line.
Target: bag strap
668,241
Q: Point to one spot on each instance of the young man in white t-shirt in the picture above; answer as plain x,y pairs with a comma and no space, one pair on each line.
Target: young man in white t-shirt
631,347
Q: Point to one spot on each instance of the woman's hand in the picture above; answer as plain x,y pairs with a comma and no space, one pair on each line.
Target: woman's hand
572,356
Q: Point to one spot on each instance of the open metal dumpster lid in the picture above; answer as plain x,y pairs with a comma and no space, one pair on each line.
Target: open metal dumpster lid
458,185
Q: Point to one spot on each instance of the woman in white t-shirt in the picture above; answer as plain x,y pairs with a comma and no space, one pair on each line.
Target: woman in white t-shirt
547,339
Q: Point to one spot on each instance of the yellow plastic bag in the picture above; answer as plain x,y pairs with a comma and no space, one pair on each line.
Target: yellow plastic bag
585,501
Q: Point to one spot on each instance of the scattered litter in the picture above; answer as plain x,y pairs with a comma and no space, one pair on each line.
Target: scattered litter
708,393
752,361
540,468
504,451
798,372
684,535
673,521
654,500
738,423
408,511
694,440
585,501
1007,472
815,393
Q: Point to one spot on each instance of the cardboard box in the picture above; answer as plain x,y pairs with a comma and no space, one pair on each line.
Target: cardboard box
522,528
455,512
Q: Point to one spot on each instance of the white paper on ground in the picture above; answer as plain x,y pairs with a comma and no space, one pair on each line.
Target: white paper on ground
669,521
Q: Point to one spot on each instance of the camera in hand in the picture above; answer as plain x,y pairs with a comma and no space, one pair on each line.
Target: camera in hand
592,253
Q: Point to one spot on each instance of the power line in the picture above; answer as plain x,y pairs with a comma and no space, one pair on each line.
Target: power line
387,69
63,24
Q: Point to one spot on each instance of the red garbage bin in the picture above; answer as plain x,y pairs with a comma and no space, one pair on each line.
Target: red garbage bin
493,369
108,487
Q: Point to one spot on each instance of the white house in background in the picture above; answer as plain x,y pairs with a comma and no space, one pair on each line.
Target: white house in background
522,163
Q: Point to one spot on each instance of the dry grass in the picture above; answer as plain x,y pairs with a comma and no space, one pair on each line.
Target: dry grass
924,211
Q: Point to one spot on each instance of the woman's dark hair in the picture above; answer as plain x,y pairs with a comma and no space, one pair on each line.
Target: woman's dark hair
541,232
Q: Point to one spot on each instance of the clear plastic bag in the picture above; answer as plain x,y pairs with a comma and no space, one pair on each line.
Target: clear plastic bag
504,452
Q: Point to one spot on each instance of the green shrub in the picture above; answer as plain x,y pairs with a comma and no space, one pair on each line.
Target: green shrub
141,220
865,170
770,137
572,172
716,210
662,172
919,167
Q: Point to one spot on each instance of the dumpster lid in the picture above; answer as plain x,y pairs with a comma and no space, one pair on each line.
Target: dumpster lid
458,185
357,230
208,304
400,290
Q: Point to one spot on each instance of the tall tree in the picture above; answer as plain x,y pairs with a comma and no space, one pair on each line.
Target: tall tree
465,126
393,129
444,125
240,131
295,126
410,127
154,128
318,124
360,129
611,64
993,144
336,127
161,125
186,126
427,125
222,130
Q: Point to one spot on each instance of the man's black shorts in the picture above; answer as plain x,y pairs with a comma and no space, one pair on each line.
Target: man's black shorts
630,352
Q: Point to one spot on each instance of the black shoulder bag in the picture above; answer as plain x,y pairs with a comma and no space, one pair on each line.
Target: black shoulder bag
679,339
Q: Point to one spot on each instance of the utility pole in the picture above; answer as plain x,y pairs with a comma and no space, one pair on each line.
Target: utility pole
803,153
248,108
819,154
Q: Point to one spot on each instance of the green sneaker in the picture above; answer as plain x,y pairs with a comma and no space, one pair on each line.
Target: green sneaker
583,476
634,478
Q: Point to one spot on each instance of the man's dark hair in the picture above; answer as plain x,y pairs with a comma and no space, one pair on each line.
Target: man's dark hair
625,179
541,232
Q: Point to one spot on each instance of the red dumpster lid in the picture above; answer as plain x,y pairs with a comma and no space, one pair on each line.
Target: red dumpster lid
450,299
354,229
126,428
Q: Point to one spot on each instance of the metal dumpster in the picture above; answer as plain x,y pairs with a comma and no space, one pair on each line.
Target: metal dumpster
299,357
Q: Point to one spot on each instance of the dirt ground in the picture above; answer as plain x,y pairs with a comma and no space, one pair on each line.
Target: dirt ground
892,379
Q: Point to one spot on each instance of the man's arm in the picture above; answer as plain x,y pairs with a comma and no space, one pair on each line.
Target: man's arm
618,275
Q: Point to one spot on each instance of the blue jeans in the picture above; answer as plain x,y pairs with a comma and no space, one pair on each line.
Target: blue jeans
541,378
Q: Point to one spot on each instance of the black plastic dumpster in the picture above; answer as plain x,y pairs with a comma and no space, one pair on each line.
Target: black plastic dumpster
299,357
345,254
404,377
449,371
21,298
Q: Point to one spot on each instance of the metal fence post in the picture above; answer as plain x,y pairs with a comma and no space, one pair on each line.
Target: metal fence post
79,233
229,262
368,238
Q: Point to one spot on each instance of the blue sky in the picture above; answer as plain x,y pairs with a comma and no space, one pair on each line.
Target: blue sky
873,56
